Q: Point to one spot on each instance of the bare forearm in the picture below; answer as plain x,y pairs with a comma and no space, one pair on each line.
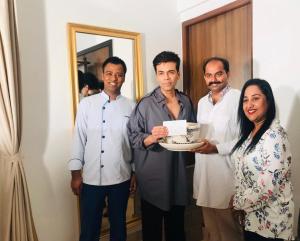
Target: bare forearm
156,133
76,182
213,149
76,174
149,140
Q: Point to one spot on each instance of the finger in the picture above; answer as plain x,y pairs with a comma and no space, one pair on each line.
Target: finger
132,190
206,143
161,131
194,150
75,192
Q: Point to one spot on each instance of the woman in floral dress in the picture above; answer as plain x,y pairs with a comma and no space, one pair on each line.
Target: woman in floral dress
262,161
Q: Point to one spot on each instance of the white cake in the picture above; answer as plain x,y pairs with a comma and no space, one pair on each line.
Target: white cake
193,135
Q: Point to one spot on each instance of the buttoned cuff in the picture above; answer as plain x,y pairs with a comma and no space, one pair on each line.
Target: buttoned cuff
222,149
74,164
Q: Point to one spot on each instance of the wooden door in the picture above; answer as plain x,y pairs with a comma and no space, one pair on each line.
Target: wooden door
224,32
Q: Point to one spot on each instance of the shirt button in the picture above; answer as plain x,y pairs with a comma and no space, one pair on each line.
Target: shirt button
103,121
102,166
103,136
102,151
103,107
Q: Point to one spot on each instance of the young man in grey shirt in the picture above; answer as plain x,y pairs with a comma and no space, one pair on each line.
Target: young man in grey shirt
161,174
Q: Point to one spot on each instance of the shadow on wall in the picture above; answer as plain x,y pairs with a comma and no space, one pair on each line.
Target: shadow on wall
34,74
293,130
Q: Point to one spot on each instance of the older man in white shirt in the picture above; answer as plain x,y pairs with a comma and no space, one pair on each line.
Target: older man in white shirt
213,176
101,155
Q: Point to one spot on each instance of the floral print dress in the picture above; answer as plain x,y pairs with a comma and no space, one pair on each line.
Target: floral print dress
263,184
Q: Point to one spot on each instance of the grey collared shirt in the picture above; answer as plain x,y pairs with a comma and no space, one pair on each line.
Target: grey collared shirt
101,146
161,174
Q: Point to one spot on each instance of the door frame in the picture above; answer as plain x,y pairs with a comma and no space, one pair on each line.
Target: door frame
185,35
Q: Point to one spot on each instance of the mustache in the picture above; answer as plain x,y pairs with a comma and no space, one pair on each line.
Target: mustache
214,82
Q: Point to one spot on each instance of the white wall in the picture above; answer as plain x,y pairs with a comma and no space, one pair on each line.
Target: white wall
276,38
46,93
121,47
189,9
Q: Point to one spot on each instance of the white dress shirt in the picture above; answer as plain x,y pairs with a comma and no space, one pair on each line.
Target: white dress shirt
100,144
213,175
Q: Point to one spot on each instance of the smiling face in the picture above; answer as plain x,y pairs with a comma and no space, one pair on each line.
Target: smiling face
255,104
113,78
167,76
215,76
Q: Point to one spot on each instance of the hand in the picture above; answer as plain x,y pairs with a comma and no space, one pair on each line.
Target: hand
76,182
238,215
206,148
230,205
133,185
159,132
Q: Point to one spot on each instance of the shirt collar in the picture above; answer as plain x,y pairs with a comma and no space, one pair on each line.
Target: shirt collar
275,122
223,93
159,96
106,96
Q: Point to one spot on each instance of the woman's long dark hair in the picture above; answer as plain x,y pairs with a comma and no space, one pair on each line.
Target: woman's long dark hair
246,126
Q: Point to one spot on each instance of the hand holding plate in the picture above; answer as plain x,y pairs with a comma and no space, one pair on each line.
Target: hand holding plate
206,148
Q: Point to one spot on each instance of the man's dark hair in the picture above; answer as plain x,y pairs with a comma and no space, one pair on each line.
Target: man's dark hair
114,60
216,58
92,81
166,56
246,126
81,82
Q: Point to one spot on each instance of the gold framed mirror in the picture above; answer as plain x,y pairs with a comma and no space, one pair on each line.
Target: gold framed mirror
89,46
92,39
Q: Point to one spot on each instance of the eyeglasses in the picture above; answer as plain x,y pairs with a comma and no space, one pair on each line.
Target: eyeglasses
217,75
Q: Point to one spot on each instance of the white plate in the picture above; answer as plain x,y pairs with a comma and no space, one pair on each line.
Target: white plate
181,147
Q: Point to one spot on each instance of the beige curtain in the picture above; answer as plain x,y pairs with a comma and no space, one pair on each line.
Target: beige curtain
16,223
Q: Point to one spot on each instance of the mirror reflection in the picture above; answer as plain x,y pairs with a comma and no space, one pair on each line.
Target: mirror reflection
88,48
92,50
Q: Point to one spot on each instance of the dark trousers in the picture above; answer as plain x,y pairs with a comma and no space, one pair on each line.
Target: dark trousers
153,219
92,202
251,236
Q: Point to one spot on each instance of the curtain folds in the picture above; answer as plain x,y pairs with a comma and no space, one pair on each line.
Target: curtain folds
16,222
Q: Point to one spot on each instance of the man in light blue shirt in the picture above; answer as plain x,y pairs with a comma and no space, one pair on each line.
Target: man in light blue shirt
101,155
